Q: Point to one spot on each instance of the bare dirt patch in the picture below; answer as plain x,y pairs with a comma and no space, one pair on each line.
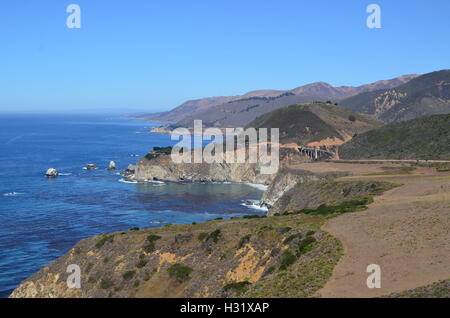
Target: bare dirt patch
406,231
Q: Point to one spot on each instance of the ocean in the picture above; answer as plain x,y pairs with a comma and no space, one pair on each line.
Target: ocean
41,218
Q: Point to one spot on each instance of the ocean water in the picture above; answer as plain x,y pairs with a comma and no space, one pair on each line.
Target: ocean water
41,218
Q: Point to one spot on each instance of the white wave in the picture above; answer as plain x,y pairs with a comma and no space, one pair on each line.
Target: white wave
258,186
218,182
12,194
155,181
126,181
64,174
255,205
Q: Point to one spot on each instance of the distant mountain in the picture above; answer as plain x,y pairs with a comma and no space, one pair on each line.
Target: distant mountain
420,138
318,124
428,94
231,110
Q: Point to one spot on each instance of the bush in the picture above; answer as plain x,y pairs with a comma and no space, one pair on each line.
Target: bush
352,118
284,230
136,283
180,272
287,260
128,275
270,270
238,287
106,283
141,263
347,206
202,236
305,245
152,238
213,236
244,240
103,240
150,246
292,237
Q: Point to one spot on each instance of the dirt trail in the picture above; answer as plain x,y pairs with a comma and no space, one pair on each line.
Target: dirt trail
406,231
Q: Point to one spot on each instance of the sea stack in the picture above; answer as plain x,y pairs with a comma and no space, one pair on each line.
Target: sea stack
112,165
91,166
52,173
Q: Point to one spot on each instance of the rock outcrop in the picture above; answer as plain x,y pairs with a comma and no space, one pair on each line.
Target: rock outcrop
51,173
112,165
91,166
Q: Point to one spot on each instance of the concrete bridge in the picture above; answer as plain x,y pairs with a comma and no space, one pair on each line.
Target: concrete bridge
316,153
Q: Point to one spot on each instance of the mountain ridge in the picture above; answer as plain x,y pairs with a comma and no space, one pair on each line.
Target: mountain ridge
306,93
428,94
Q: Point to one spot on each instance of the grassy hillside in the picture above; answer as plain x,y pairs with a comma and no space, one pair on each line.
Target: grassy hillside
306,123
422,138
285,255
425,95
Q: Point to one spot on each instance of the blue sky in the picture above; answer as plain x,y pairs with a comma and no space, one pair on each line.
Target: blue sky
146,55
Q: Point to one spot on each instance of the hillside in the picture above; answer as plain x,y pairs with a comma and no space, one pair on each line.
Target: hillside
428,94
421,138
253,256
304,124
228,110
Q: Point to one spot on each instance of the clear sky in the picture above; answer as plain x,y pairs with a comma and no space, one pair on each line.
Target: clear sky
153,55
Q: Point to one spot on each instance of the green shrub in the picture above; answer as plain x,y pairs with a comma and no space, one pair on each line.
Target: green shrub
292,237
180,272
345,207
128,275
284,230
252,216
150,246
106,283
136,283
134,229
244,240
305,245
287,260
153,238
270,270
103,240
238,287
202,236
141,263
214,236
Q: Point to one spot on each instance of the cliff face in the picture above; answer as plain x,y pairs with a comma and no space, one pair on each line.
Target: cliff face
165,169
